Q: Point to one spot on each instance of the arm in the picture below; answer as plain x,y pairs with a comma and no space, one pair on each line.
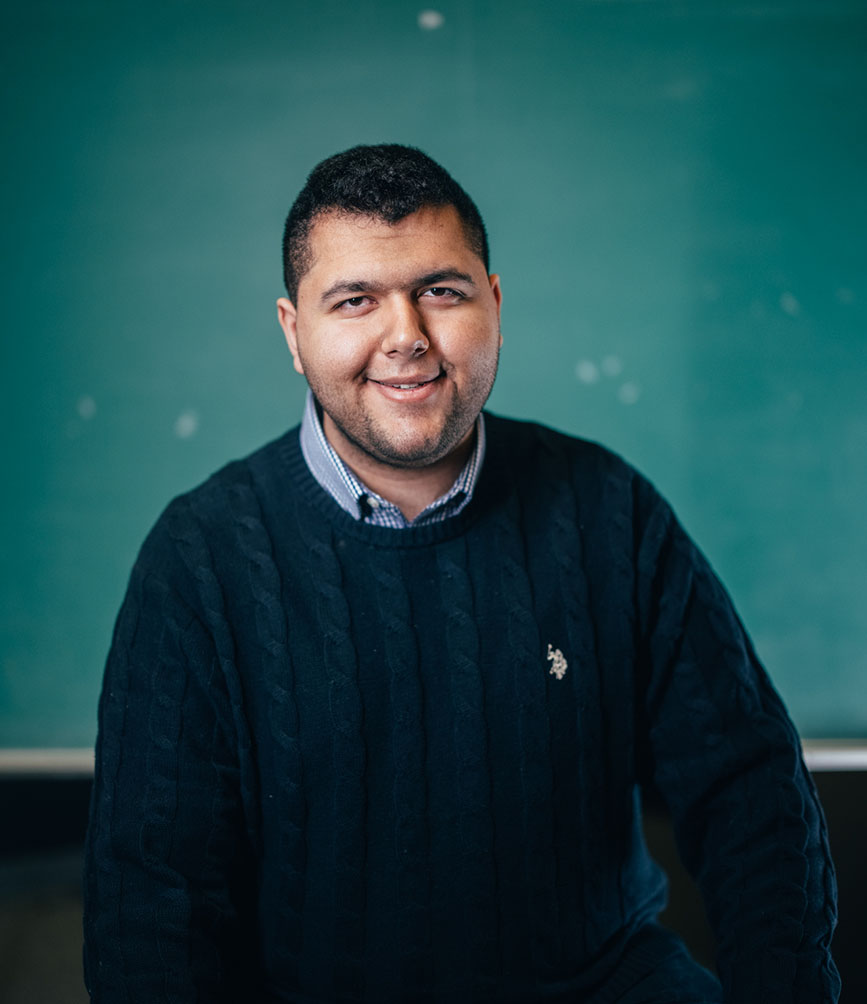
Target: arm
727,760
166,856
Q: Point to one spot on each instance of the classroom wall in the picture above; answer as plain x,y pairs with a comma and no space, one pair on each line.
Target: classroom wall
676,202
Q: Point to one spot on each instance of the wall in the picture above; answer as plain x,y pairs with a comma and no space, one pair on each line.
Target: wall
676,201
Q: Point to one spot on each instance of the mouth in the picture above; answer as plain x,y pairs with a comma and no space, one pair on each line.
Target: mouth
411,389
406,384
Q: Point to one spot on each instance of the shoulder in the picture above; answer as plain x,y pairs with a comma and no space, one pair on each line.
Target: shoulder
531,446
266,470
211,515
547,468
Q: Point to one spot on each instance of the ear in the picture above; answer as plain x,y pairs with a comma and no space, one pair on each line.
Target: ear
288,318
494,280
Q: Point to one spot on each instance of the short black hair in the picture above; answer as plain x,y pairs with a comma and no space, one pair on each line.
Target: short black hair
388,181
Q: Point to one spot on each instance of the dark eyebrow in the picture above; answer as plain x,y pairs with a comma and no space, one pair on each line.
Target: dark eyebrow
447,275
356,286
344,286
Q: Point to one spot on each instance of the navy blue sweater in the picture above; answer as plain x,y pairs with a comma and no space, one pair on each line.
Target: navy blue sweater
339,762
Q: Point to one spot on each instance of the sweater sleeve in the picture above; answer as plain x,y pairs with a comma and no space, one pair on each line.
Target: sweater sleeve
727,760
166,869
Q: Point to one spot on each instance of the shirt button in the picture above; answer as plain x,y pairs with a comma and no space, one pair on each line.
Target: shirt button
373,503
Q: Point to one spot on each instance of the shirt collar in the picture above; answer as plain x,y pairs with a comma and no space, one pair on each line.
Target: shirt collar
358,500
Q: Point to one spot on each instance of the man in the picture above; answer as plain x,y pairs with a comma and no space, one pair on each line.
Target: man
381,695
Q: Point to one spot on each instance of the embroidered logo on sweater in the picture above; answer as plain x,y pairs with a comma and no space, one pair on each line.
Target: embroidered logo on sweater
558,662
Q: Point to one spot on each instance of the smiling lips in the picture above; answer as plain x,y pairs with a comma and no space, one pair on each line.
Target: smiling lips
413,388
404,384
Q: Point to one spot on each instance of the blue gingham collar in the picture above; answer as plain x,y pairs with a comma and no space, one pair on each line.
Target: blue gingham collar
363,504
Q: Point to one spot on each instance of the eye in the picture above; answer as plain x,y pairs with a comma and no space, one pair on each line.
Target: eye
352,304
443,293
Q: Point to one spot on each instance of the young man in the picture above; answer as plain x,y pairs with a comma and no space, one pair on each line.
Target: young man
381,695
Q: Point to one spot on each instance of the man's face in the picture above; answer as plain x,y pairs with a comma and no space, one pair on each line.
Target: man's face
397,329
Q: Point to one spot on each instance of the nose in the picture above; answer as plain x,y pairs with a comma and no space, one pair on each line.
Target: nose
404,333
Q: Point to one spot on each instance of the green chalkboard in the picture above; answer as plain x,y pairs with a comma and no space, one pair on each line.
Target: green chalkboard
677,205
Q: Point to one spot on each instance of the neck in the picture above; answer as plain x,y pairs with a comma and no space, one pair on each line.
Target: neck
411,489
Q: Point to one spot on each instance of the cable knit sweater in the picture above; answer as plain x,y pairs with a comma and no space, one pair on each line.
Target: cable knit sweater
339,762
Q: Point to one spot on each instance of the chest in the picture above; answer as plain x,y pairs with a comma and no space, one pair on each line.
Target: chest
478,663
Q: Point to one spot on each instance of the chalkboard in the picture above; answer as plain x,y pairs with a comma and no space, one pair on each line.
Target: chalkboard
676,200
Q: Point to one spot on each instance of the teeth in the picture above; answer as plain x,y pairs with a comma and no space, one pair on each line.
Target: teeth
405,386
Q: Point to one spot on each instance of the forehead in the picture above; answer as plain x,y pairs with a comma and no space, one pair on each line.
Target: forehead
346,245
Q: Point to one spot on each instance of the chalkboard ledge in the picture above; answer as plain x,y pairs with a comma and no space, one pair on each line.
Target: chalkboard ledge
819,754
46,762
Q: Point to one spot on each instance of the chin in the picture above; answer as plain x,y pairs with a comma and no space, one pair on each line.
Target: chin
411,447
410,457
413,452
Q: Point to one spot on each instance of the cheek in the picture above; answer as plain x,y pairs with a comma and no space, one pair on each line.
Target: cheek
475,348
349,359
463,336
335,355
